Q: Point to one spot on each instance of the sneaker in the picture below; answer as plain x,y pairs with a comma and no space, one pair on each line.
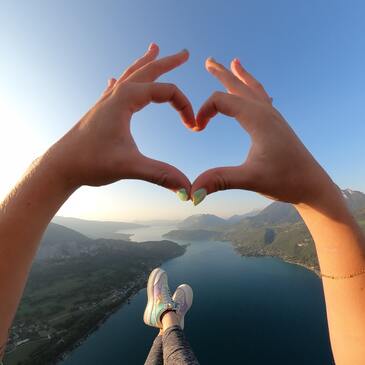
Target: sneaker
183,297
158,298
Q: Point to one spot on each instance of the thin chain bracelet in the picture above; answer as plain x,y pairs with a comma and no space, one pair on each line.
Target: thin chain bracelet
358,273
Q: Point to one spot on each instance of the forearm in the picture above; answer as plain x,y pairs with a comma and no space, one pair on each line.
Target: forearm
340,247
24,216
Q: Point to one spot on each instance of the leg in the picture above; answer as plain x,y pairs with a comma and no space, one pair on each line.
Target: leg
168,314
176,348
155,356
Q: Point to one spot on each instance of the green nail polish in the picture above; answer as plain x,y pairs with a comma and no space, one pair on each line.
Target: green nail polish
182,194
199,196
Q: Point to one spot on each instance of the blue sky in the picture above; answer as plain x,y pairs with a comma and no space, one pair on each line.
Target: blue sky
56,58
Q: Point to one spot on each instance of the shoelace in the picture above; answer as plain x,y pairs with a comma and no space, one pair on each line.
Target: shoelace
166,296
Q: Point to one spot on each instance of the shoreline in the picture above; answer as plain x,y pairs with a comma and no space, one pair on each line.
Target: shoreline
64,355
283,258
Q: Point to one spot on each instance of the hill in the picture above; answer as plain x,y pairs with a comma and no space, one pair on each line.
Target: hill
59,241
74,285
278,230
202,221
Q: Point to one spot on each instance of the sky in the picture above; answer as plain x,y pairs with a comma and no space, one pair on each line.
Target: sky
56,58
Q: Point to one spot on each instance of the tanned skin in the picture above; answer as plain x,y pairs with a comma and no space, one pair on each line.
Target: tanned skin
100,150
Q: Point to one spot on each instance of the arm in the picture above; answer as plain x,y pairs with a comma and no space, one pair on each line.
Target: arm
98,150
280,167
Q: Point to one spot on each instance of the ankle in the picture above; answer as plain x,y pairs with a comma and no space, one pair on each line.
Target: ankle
169,319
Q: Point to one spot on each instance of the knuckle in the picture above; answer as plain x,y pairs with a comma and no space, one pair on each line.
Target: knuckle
162,178
171,86
217,94
220,181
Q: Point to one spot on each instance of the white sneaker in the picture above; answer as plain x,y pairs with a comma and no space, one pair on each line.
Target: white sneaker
158,298
183,297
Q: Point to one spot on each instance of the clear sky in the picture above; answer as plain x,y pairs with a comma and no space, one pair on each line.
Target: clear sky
56,57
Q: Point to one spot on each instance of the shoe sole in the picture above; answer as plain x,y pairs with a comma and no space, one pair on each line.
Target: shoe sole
152,279
188,292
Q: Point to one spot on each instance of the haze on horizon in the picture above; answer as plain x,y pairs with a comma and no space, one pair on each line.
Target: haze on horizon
54,67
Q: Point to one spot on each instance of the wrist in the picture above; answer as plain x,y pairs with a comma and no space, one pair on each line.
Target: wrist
56,161
328,201
52,166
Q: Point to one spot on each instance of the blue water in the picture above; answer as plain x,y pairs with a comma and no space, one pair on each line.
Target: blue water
245,311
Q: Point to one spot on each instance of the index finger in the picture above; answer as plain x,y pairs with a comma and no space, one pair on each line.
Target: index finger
142,94
163,92
218,102
149,56
233,84
155,69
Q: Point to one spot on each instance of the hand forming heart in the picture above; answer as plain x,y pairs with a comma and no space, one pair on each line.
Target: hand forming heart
100,149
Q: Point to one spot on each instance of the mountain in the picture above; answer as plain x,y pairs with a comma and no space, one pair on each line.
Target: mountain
279,212
60,241
97,229
202,221
354,199
239,217
275,213
278,230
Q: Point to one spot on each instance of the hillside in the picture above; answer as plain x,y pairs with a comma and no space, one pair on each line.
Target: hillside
74,285
278,230
59,241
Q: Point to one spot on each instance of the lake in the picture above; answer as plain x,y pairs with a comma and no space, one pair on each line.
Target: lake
245,311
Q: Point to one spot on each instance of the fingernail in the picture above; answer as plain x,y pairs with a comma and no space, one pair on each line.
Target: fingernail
199,196
211,59
182,195
236,60
152,45
184,50
109,82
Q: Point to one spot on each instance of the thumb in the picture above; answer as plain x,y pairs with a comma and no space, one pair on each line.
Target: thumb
219,178
165,175
111,83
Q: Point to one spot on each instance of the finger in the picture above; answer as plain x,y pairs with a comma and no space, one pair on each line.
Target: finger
163,174
111,83
217,179
229,81
160,93
109,88
219,102
240,72
149,56
155,69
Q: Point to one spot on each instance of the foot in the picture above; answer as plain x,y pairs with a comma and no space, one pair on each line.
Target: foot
183,297
158,298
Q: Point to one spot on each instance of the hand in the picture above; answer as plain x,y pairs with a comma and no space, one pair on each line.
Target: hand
278,165
100,149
